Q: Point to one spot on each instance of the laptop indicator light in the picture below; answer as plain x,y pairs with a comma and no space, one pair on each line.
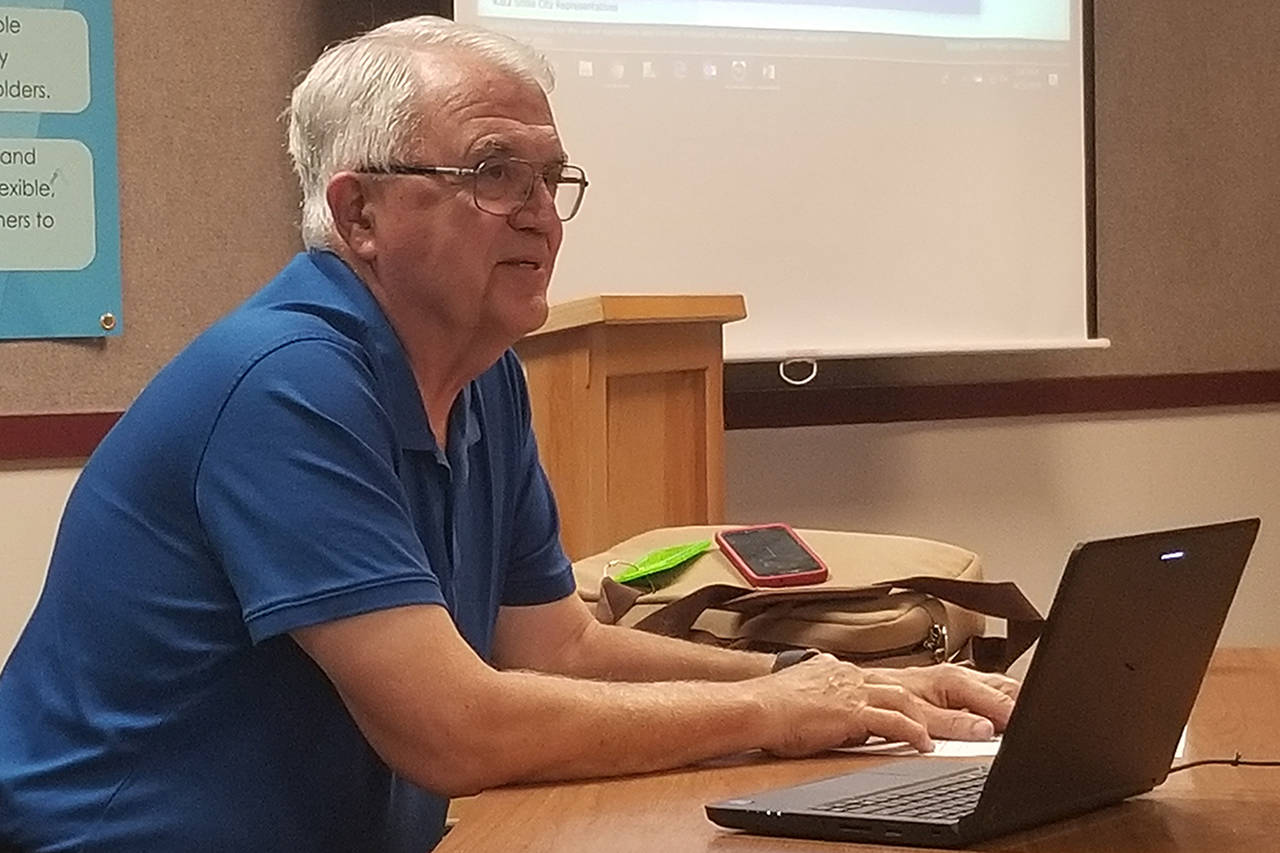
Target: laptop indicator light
1173,555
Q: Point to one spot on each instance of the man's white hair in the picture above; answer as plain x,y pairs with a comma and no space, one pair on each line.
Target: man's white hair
361,105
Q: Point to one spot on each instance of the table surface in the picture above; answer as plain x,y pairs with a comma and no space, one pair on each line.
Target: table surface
1211,808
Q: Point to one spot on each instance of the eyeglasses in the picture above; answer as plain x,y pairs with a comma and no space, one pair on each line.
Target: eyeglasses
503,185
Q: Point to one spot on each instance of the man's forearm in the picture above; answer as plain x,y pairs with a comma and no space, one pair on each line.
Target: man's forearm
538,727
441,716
613,653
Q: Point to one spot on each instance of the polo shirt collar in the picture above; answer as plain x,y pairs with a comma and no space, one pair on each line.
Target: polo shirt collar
403,401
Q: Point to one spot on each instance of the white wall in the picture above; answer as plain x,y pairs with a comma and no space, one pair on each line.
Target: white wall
1020,491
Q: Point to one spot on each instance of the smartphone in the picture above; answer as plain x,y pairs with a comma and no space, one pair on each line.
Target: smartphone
771,555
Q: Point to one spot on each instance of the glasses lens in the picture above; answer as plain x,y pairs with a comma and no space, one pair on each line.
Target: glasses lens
502,185
568,192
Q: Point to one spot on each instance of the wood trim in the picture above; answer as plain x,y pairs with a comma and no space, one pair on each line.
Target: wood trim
72,436
785,407
68,436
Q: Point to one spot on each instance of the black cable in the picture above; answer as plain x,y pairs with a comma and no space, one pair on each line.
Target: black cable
1238,761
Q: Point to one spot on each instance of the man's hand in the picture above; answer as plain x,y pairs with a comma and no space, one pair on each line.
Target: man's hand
823,703
959,703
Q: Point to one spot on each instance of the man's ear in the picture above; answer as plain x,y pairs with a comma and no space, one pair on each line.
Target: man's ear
353,219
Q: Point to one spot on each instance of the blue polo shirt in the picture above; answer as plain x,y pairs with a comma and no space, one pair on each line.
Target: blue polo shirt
278,473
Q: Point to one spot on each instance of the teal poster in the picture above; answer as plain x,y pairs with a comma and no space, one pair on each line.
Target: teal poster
59,192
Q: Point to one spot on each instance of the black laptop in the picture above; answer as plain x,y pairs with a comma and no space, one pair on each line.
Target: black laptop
1110,688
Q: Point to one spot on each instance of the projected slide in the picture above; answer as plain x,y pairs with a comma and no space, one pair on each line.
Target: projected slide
1046,20
875,176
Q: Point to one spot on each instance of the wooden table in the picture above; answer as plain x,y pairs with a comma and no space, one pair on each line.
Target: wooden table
1212,809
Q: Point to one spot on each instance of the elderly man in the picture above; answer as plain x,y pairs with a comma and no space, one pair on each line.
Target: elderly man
311,585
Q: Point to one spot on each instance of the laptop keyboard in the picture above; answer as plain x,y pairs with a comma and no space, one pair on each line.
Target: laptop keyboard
947,798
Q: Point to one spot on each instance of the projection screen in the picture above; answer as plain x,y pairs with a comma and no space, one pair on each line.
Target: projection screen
876,176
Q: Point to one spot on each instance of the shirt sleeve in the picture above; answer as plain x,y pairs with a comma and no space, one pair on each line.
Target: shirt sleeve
298,493
539,571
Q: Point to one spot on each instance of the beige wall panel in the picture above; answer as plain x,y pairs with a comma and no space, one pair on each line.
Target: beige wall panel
1022,492
31,501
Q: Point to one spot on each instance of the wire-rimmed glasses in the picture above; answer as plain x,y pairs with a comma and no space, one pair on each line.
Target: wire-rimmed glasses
503,185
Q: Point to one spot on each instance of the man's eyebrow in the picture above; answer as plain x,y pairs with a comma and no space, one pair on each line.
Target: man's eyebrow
489,147
486,148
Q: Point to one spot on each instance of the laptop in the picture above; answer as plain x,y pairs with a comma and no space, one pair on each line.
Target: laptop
1108,693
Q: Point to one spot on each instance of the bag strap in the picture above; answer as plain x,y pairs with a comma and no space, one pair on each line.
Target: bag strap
1001,599
673,619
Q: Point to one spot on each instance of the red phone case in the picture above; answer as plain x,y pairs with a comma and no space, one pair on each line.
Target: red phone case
797,578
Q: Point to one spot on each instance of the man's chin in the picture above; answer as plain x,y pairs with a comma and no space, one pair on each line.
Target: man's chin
538,312
527,317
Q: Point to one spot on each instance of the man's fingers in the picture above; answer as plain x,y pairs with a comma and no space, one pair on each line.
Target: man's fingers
980,697
1006,685
946,686
959,725
895,697
894,726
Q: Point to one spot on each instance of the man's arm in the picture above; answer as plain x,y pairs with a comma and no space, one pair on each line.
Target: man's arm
442,717
563,637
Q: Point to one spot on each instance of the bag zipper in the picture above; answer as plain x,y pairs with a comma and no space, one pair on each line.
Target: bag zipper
935,643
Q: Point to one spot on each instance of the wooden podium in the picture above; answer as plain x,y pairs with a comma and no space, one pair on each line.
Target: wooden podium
627,395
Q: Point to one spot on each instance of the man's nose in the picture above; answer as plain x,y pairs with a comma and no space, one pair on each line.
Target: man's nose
539,210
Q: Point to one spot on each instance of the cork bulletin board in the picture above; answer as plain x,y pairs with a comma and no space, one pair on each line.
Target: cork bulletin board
207,201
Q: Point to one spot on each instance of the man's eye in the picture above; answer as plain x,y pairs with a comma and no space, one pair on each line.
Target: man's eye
493,171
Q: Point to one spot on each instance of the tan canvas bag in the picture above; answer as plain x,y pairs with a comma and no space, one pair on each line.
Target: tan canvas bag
888,600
